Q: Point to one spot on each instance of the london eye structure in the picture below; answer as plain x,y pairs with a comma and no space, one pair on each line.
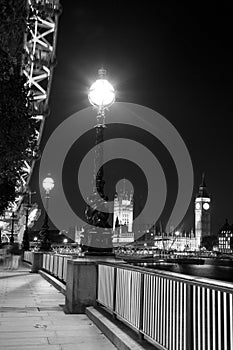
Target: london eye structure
38,62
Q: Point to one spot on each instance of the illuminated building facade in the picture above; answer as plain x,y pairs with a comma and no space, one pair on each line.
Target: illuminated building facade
123,210
123,218
225,238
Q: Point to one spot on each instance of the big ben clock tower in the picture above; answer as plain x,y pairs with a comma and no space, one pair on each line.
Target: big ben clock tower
202,212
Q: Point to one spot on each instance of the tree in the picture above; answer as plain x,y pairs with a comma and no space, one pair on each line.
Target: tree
17,128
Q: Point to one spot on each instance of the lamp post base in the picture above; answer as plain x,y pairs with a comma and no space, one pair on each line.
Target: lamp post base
45,243
98,240
45,246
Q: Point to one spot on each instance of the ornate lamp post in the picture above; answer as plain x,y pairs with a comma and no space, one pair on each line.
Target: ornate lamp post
101,96
12,227
2,224
45,244
27,207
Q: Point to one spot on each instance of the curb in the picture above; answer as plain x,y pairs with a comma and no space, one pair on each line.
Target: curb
122,337
54,281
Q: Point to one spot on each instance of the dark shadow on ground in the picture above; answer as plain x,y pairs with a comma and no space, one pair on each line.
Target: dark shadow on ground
10,276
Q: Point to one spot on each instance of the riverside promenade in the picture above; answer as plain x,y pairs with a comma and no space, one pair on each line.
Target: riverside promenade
32,317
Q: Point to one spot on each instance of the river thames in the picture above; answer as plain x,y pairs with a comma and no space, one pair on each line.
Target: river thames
222,273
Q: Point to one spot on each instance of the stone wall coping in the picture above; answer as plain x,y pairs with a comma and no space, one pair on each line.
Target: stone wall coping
92,260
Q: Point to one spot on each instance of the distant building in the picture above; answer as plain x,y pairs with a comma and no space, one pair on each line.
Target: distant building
121,236
183,242
123,210
225,238
123,218
202,213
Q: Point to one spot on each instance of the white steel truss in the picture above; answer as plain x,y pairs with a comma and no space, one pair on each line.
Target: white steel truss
37,65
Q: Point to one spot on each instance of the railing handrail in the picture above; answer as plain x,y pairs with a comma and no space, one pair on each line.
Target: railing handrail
192,280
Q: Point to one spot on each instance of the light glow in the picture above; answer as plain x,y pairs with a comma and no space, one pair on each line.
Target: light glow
48,184
101,94
203,199
2,224
206,206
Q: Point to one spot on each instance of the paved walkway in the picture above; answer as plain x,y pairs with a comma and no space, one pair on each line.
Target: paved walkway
31,317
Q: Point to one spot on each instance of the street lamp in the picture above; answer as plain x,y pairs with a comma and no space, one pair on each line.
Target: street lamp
12,228
27,207
2,224
101,96
48,185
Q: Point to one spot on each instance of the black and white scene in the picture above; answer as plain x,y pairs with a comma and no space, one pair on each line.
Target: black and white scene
116,221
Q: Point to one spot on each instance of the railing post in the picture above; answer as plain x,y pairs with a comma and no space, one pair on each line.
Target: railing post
189,317
114,292
141,336
80,285
97,283
37,261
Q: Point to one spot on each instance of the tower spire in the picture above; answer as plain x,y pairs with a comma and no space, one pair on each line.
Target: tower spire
124,186
202,188
203,184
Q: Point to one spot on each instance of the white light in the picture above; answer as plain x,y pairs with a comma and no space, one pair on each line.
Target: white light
35,239
48,184
177,233
33,216
101,93
202,199
65,240
2,224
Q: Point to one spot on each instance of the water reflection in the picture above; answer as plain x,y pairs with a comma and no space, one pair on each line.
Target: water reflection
222,273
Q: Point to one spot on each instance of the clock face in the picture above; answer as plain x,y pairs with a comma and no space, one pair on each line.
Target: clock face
198,205
206,206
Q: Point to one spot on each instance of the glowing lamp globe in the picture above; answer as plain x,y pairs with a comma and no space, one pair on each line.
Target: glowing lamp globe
48,184
101,93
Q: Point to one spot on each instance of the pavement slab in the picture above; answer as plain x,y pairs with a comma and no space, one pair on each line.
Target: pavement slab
32,317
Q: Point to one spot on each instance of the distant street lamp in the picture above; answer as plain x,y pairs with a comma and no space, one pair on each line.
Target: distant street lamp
12,227
27,207
45,244
2,224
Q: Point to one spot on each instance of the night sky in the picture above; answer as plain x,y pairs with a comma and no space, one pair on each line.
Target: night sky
175,59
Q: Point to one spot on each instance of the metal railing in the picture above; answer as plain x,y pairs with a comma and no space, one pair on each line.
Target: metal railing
174,311
28,257
56,265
